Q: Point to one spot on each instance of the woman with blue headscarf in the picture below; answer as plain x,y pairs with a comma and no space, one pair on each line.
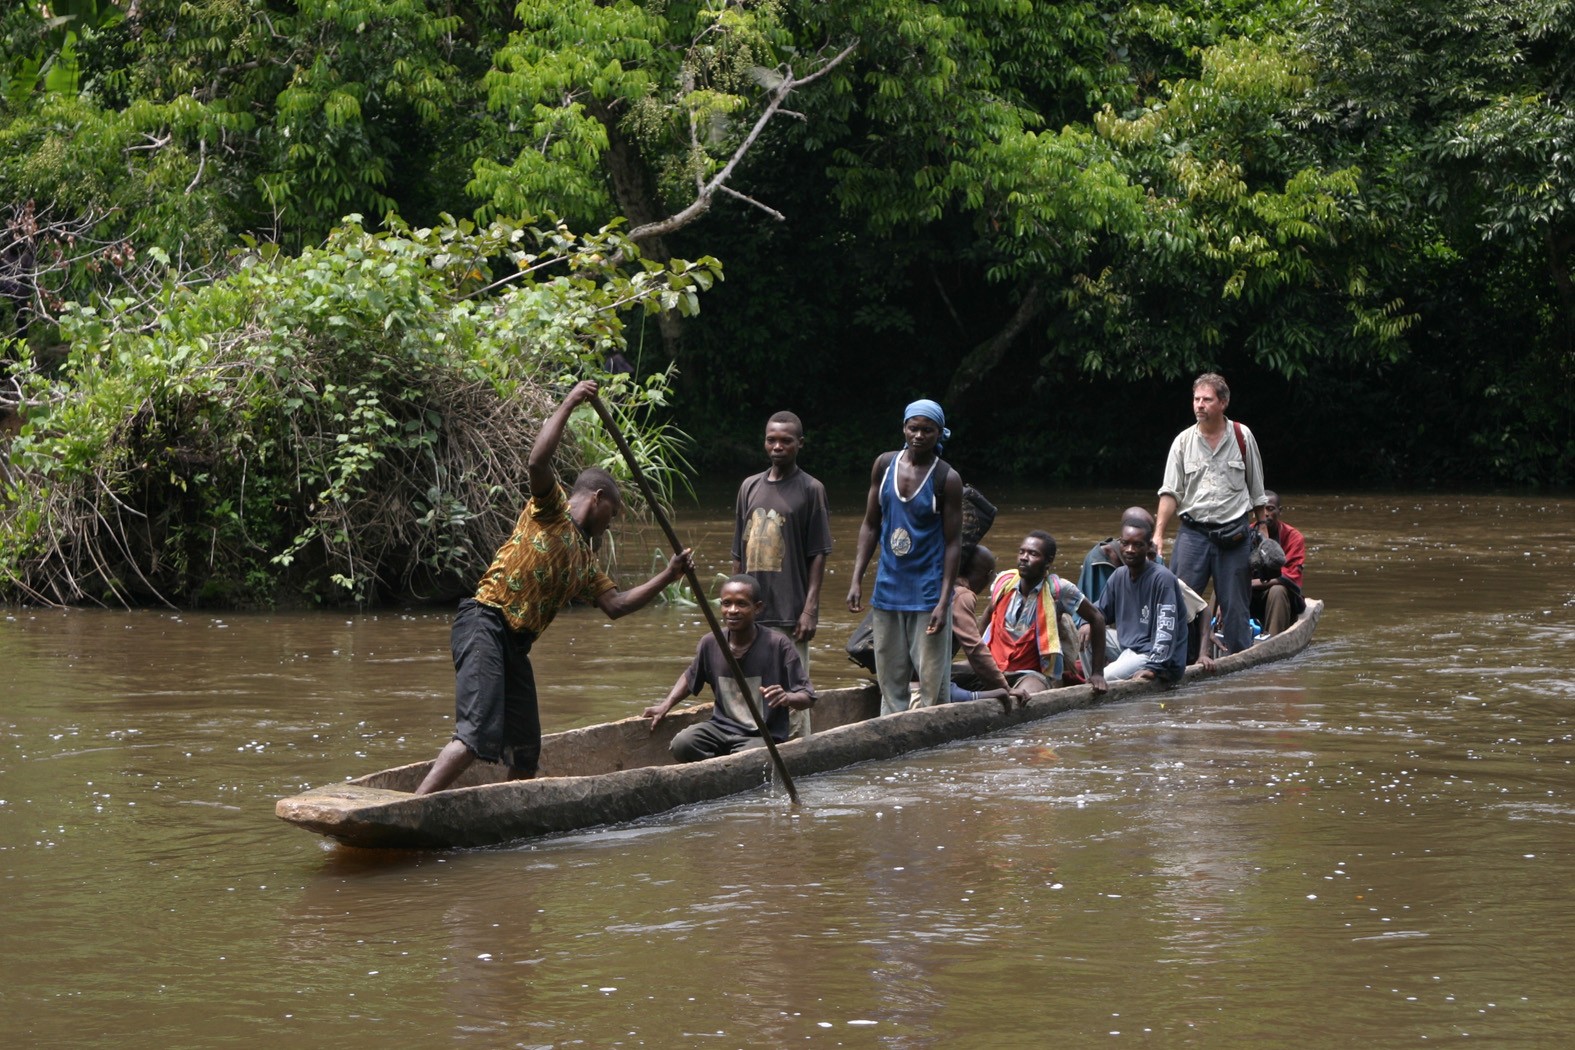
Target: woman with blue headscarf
914,512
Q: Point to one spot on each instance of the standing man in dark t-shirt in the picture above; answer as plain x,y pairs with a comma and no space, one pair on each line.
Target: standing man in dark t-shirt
781,536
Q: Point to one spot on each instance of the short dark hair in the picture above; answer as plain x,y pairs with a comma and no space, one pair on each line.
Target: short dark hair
975,556
1138,523
748,581
595,479
1217,381
1045,538
789,418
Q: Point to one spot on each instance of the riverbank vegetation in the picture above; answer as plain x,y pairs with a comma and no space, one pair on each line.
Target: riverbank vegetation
1047,215
347,423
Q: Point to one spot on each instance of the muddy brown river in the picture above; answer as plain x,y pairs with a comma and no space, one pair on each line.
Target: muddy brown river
1370,845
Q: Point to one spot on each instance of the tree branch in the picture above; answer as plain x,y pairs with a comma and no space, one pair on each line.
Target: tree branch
202,162
750,200
946,301
707,192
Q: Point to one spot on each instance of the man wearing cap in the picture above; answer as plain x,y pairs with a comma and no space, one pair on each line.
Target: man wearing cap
914,511
1214,478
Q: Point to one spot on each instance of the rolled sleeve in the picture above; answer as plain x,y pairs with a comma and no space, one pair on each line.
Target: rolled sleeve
1175,479
1254,468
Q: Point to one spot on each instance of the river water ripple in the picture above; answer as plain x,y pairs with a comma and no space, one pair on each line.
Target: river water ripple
1368,845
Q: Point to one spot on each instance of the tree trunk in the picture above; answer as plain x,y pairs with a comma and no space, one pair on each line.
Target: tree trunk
982,359
637,202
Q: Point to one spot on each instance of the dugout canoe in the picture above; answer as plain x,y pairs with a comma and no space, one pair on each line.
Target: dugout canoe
619,771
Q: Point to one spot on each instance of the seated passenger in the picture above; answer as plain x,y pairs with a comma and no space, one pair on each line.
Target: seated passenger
1277,598
1023,629
1145,603
1103,559
770,665
975,570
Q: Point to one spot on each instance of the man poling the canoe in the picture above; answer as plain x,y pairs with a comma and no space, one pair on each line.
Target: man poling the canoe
694,583
546,562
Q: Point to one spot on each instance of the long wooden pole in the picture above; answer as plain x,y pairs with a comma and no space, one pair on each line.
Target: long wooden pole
694,583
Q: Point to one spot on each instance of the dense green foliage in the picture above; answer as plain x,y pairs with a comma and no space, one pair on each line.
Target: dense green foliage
1465,113
352,420
1266,190
1360,210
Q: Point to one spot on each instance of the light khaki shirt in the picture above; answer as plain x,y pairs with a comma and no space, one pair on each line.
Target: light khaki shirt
1214,485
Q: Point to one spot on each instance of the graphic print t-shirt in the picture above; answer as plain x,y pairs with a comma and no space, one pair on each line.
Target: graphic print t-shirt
778,527
771,660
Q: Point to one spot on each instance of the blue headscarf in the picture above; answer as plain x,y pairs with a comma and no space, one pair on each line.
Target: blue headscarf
929,410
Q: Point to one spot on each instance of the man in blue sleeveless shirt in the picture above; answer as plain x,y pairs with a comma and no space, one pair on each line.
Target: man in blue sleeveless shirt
914,510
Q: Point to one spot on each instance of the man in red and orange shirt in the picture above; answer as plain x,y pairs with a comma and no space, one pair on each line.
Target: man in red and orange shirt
1022,628
1277,600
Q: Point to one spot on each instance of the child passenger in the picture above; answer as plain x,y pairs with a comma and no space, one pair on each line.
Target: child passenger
770,666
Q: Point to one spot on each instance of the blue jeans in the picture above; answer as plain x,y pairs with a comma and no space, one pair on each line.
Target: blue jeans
1197,561
1127,665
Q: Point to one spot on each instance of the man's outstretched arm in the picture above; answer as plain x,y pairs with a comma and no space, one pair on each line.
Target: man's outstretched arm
616,603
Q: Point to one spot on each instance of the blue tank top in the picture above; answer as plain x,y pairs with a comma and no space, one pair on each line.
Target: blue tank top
912,545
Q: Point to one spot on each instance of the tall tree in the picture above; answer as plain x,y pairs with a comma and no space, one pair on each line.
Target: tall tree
1463,115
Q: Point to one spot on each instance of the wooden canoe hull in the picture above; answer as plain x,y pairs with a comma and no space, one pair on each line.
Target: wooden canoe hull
620,771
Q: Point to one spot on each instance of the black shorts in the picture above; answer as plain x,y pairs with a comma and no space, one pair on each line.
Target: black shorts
495,712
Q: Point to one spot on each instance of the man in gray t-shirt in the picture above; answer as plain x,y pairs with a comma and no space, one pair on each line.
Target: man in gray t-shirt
777,682
781,536
1144,602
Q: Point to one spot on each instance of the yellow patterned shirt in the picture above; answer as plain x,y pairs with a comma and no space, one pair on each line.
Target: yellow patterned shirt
544,565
